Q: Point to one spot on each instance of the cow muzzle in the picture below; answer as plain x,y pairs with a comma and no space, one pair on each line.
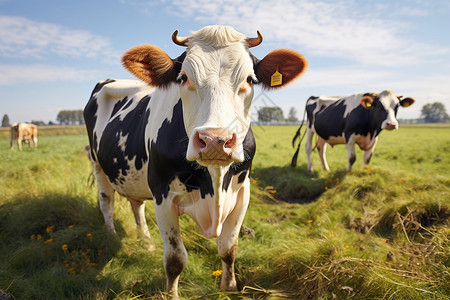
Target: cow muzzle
214,148
391,126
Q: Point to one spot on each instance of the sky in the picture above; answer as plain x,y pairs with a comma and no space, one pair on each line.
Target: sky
53,52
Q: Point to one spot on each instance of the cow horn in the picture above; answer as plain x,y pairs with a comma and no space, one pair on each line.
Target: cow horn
253,42
180,41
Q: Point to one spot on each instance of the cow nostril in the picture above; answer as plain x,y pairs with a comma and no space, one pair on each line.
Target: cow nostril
231,142
199,142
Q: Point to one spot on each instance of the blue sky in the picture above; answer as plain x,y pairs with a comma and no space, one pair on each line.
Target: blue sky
52,53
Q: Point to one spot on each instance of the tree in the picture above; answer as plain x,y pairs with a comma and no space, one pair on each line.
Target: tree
70,117
5,121
270,114
38,122
434,113
292,116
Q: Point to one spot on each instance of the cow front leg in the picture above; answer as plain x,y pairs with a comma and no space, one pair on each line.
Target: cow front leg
175,254
227,242
351,155
368,153
19,143
322,147
308,147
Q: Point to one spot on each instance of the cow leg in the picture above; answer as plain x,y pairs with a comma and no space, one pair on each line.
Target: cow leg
351,155
138,208
322,147
227,242
35,141
368,153
105,196
175,254
19,142
309,136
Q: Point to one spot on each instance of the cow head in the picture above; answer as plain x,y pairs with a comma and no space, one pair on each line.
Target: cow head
384,107
215,76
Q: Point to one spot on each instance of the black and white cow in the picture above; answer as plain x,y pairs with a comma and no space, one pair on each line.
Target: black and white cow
182,136
354,119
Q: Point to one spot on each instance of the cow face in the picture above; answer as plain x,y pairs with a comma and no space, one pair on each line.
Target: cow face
384,108
215,77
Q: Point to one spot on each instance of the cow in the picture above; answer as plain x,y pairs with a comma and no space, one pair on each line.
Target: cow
182,137
23,132
354,119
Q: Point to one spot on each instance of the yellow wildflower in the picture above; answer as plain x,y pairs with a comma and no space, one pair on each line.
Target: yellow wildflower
49,229
217,272
65,247
89,235
48,241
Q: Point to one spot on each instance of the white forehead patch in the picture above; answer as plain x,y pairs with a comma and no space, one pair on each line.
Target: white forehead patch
217,54
388,99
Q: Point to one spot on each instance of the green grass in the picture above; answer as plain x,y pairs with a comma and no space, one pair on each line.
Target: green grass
379,233
5,132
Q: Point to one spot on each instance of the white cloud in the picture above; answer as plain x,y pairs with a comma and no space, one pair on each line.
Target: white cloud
12,74
22,37
339,29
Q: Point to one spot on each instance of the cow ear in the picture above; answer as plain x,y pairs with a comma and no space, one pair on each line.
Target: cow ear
366,102
150,64
280,67
407,102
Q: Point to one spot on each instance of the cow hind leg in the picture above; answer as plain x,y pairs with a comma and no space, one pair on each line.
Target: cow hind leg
322,147
138,208
105,197
308,146
35,140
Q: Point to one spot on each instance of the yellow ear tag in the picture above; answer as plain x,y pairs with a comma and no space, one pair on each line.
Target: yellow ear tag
406,104
276,78
368,104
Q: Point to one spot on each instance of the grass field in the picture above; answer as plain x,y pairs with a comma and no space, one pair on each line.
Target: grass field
378,233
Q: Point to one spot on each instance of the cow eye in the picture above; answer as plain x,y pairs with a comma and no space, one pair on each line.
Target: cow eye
183,78
252,80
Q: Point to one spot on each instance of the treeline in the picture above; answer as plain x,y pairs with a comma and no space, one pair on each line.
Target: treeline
274,115
70,117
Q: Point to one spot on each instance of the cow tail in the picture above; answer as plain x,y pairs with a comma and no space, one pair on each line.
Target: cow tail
297,134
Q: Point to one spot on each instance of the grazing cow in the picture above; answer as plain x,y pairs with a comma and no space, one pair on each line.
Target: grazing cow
183,137
23,132
354,119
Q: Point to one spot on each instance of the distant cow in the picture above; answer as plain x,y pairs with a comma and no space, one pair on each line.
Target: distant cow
23,132
183,137
354,119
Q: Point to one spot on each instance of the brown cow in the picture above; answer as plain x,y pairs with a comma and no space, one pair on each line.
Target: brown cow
23,132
